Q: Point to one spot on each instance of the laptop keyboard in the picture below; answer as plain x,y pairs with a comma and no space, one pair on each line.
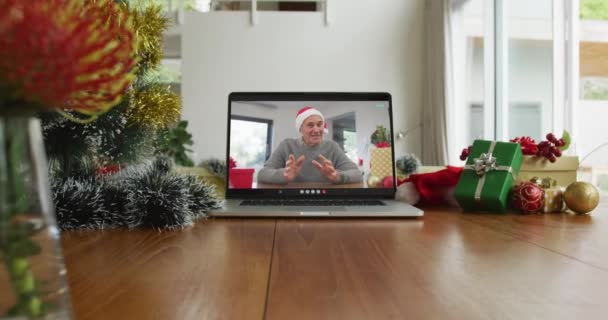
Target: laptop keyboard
317,203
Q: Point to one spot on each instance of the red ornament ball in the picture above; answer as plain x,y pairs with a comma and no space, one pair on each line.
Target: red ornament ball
528,197
388,182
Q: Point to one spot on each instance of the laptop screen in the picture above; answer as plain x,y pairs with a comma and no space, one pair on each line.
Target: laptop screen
310,144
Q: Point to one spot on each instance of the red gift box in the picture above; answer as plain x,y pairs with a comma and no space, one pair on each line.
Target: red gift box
241,178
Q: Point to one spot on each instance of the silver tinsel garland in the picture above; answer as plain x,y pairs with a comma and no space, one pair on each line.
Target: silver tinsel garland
147,195
408,164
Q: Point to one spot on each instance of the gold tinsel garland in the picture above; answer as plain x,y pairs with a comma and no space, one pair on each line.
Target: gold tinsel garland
154,106
149,24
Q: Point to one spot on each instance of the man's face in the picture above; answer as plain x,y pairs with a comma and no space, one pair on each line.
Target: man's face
312,130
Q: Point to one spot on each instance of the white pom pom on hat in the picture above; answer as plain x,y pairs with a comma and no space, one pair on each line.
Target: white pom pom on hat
306,112
408,193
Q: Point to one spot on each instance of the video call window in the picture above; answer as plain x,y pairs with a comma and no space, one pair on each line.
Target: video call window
295,144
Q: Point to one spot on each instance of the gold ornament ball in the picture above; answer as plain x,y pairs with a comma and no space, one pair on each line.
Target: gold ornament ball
374,181
581,197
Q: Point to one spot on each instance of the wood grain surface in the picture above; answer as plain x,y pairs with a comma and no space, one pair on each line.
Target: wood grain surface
447,265
215,270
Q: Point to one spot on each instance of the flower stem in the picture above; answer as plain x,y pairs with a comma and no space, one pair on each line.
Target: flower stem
16,231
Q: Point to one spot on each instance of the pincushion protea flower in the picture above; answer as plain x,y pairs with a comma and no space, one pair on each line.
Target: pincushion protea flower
64,54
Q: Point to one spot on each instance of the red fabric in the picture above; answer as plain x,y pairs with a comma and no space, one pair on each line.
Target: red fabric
303,109
433,187
383,144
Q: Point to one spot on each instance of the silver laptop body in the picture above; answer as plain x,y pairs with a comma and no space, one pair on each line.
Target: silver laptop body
268,117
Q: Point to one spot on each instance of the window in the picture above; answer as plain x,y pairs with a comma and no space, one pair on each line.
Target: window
251,141
532,67
233,5
350,145
529,69
592,136
523,119
468,33
505,66
593,48
224,5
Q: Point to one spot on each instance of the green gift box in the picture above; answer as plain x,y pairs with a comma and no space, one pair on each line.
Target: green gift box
488,176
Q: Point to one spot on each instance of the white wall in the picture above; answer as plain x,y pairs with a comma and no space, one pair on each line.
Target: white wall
369,46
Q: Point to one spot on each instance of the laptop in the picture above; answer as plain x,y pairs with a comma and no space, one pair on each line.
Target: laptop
311,155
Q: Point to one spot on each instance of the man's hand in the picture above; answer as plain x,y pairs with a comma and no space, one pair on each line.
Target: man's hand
327,168
292,167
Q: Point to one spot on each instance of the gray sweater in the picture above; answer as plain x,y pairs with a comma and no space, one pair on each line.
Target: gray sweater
274,167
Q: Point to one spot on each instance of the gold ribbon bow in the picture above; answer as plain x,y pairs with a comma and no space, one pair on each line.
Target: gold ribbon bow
483,165
545,183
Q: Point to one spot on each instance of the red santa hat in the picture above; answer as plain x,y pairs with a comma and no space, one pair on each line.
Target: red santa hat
434,188
306,112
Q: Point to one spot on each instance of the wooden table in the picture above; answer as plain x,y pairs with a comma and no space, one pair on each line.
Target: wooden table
447,265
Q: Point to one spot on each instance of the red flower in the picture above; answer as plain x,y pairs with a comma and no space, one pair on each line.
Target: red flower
65,54
231,163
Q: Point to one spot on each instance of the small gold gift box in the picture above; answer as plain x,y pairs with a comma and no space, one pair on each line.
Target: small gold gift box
381,162
554,200
563,171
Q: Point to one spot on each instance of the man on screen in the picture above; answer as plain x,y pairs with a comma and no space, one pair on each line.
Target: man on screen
309,158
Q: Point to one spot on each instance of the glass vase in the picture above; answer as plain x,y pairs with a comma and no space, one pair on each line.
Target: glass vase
32,273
